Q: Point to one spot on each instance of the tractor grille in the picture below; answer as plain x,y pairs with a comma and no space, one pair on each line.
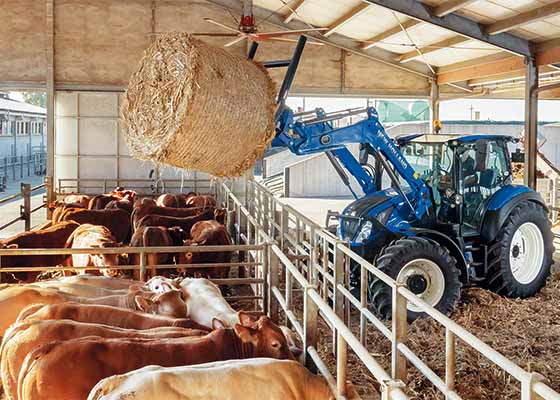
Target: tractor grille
358,209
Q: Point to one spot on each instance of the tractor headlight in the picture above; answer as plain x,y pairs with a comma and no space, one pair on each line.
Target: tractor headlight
365,232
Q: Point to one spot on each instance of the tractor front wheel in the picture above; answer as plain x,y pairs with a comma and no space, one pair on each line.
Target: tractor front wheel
425,267
521,256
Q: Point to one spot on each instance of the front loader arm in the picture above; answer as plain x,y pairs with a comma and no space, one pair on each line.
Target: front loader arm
317,135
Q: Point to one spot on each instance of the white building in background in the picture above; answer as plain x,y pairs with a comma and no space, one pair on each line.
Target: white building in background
22,128
315,177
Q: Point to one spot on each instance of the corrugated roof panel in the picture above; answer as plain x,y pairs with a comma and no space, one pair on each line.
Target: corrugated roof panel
490,10
543,29
421,35
373,21
518,5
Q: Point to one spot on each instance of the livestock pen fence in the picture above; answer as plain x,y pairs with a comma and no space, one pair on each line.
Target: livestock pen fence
297,271
318,263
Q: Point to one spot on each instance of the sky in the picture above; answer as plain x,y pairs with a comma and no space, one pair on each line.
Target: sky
496,110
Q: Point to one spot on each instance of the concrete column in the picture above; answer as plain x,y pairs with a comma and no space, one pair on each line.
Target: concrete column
434,105
531,121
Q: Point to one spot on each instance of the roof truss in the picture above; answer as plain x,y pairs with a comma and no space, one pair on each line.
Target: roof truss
537,14
458,24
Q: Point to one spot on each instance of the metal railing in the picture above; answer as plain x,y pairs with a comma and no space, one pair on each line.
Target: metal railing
141,186
320,266
15,167
25,208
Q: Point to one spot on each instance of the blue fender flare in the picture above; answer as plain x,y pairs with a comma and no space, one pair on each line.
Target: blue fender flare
501,205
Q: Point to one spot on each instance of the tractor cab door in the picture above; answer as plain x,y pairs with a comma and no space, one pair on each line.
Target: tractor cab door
484,168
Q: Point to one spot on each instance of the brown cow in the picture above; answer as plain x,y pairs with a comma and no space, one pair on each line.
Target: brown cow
16,298
201,201
106,315
117,221
80,199
100,201
101,281
53,237
44,370
77,289
171,200
94,237
120,205
184,223
156,236
141,211
25,336
208,233
169,304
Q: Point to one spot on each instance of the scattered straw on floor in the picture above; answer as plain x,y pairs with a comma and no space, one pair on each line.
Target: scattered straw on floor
525,331
191,105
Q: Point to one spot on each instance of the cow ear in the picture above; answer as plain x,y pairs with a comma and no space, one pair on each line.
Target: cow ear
13,246
177,281
245,334
143,304
218,324
246,319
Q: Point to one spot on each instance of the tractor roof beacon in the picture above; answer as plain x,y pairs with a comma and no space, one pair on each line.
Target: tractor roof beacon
436,212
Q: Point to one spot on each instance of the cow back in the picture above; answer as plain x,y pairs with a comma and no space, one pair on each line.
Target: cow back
117,221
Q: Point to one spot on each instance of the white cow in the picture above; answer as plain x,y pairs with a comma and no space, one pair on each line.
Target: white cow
251,379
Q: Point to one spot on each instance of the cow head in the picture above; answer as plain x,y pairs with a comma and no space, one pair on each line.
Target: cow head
160,284
106,260
265,336
170,304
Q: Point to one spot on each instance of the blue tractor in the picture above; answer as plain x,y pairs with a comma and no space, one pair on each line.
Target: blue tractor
436,212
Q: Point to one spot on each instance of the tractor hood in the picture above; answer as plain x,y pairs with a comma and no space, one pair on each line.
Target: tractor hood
360,210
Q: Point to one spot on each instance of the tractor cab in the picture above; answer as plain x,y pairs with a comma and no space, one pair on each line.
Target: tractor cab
463,172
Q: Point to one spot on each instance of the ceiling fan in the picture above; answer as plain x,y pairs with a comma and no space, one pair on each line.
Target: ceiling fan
247,29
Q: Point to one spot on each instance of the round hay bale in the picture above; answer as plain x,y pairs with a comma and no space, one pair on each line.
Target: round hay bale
194,106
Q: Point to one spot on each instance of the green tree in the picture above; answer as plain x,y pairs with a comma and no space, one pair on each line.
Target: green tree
36,98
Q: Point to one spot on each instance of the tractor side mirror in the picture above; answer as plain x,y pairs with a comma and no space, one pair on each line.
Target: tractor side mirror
518,156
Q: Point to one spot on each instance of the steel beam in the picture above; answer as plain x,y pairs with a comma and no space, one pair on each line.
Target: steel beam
50,92
434,105
335,40
457,24
531,121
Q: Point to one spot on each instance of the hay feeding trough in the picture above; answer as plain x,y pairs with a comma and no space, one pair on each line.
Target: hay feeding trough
194,106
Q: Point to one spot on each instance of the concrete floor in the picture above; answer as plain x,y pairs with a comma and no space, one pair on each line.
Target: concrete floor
316,209
11,209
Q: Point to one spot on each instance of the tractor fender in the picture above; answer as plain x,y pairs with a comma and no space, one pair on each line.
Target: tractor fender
445,241
495,217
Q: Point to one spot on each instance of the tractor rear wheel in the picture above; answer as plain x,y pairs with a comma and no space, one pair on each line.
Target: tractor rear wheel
521,256
425,267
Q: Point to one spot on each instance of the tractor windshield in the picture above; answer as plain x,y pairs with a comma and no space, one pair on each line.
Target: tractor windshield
432,161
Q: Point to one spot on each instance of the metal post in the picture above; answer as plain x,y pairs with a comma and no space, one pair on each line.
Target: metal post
25,208
434,105
273,271
265,258
6,167
531,121
363,303
341,361
28,165
50,193
450,361
285,226
21,166
143,267
399,330
338,280
14,160
310,325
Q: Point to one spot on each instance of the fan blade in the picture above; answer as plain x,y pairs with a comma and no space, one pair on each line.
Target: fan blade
229,28
215,34
277,39
292,32
239,39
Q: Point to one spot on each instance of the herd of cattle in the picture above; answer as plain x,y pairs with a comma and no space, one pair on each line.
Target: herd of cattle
106,338
95,337
120,219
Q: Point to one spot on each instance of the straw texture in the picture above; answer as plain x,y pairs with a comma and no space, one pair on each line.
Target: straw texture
194,106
